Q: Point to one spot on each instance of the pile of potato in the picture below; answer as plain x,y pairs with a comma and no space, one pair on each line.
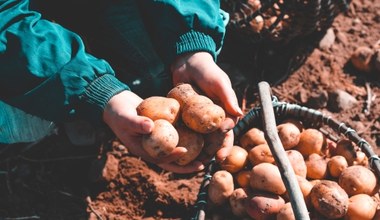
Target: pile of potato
334,177
183,118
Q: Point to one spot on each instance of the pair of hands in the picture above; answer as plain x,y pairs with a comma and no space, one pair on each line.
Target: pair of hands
195,68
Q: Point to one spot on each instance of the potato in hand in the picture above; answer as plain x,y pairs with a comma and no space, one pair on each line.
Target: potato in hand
162,140
157,107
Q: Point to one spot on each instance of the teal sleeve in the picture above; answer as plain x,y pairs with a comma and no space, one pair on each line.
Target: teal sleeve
45,70
185,26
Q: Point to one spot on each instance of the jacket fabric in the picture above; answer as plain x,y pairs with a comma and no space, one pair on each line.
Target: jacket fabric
46,71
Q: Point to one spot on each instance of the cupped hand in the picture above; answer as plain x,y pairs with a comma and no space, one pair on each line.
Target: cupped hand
121,116
200,69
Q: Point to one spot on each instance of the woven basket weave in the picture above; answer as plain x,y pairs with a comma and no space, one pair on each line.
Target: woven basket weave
310,118
281,20
270,39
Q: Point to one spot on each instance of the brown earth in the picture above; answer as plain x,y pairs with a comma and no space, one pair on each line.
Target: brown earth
55,180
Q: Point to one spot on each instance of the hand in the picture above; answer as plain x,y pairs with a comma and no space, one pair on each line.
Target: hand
200,69
121,116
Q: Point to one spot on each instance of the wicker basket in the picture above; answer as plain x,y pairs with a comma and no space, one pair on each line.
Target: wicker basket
281,20
270,39
310,118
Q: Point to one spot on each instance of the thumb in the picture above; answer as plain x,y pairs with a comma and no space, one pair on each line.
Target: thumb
141,125
228,97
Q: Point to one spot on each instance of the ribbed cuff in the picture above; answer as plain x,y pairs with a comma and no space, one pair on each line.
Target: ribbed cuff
195,41
97,95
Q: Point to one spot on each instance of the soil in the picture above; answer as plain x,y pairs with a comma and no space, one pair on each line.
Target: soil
54,179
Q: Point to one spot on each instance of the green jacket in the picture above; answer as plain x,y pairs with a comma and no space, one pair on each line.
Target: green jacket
46,71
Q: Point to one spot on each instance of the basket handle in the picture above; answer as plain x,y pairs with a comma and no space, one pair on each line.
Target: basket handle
271,135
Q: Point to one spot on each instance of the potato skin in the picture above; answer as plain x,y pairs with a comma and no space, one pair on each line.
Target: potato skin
297,162
345,148
361,206
306,187
329,199
162,140
190,140
357,179
182,92
286,212
252,138
316,166
311,141
267,177
236,160
237,202
264,205
259,154
221,187
242,178
289,135
204,118
158,107
336,165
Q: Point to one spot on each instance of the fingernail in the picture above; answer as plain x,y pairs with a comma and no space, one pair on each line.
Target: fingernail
147,126
238,109
201,167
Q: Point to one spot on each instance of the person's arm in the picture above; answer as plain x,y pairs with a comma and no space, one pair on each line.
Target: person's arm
180,27
189,35
45,69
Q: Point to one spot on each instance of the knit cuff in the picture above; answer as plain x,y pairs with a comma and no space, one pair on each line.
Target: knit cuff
195,41
97,95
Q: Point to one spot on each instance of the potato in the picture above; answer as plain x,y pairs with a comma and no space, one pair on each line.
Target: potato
242,178
329,199
157,107
237,202
336,165
361,159
289,135
311,141
162,140
357,179
213,142
264,205
330,148
198,99
182,92
316,167
221,187
346,148
286,212
295,122
297,162
252,138
361,207
305,187
267,177
236,160
202,117
259,154
314,182
190,140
